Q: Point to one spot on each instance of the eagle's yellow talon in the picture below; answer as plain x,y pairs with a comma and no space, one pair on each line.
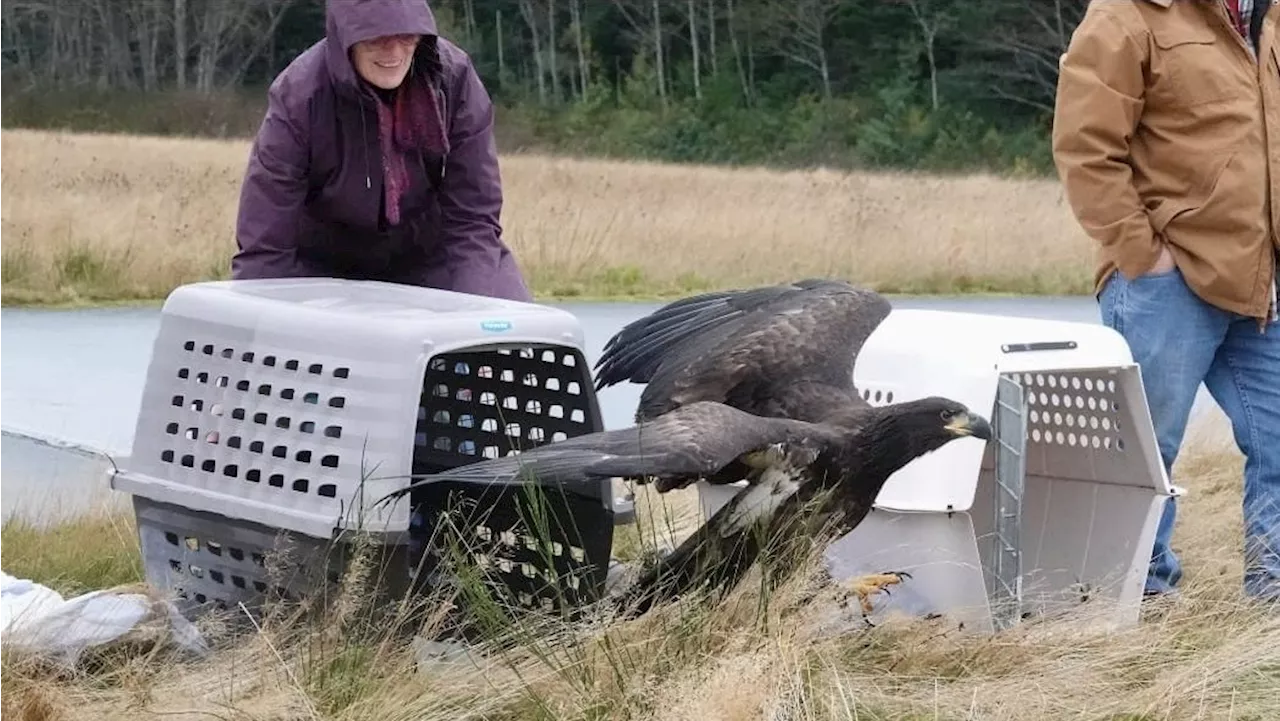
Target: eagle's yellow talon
864,586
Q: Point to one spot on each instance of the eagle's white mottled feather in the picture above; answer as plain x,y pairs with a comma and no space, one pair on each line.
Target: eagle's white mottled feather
762,499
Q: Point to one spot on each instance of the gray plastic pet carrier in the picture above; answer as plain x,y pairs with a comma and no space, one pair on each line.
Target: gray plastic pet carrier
282,410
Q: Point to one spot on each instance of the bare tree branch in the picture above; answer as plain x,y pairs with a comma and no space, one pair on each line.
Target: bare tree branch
799,33
645,19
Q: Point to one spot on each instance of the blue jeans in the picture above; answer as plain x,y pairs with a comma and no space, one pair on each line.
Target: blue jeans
1179,342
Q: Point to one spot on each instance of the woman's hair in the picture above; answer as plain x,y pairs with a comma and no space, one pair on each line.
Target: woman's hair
428,54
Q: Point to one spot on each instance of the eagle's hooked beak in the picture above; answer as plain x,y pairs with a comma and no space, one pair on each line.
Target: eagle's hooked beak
970,424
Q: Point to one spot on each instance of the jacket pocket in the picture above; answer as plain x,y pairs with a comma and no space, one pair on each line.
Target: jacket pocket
1195,67
1162,215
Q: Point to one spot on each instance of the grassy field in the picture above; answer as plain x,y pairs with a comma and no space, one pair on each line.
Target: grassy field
101,218
1206,656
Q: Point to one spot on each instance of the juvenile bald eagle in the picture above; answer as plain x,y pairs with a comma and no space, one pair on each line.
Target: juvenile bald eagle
782,351
751,385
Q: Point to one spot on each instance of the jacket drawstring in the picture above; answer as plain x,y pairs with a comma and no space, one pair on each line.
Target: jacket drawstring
442,102
364,142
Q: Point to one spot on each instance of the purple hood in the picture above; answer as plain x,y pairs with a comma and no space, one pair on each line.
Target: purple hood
312,199
348,22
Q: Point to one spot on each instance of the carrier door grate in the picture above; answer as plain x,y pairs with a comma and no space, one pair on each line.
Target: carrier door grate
1005,579
548,551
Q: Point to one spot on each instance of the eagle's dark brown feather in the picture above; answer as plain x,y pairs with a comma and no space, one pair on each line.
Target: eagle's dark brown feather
784,350
691,442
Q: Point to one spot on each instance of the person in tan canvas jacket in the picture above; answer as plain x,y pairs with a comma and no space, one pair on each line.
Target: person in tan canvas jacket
1167,140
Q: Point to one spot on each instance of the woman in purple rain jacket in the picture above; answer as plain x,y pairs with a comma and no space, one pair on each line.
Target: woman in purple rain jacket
376,160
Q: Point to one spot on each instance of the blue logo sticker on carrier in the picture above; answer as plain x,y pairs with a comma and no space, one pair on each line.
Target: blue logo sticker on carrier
495,326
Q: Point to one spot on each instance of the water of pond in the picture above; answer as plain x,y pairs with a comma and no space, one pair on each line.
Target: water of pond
76,376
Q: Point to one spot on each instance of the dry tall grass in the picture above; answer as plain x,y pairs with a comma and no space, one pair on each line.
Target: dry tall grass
93,217
1207,656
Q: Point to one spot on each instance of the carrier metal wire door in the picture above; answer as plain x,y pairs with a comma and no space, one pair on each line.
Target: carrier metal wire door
1005,579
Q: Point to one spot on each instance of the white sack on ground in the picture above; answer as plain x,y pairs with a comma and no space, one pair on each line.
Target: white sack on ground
38,620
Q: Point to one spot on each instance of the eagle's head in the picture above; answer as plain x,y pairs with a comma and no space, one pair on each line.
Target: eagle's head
928,424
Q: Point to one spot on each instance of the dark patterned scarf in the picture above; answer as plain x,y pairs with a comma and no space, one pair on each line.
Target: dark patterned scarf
412,122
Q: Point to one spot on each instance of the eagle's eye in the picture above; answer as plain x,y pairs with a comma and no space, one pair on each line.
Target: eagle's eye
948,414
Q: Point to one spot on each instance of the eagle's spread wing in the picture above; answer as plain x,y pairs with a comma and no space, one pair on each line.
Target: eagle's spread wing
712,346
695,441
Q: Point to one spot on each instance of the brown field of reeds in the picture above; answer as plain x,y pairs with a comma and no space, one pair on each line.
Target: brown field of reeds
1208,655
92,218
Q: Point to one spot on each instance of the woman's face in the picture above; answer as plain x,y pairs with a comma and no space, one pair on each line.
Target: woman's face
384,61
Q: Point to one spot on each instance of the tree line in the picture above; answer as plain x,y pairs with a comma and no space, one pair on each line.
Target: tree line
903,83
